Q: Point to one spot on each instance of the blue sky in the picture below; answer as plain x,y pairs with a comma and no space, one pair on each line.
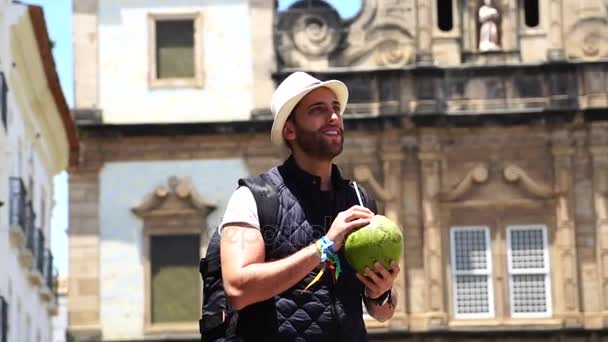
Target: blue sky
58,16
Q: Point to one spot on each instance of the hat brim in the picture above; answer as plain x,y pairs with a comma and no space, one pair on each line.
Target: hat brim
337,87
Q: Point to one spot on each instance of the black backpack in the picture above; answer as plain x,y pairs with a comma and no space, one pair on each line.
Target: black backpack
219,320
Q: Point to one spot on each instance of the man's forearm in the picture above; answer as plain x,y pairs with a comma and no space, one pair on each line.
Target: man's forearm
260,281
382,312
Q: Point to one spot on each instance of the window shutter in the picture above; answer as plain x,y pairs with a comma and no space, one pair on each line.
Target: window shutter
528,259
471,272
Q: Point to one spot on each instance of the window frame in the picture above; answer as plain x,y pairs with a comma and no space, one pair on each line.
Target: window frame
489,272
546,270
197,80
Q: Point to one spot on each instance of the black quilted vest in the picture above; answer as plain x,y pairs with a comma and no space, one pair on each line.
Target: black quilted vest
327,311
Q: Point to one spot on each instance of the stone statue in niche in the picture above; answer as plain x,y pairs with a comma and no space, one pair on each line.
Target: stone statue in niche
489,19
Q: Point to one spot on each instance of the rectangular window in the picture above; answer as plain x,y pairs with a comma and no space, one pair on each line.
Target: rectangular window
175,50
175,278
528,259
3,320
472,272
3,106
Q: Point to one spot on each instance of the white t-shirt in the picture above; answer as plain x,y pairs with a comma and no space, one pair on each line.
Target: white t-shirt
241,208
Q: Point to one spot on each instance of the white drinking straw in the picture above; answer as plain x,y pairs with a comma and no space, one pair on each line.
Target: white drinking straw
358,194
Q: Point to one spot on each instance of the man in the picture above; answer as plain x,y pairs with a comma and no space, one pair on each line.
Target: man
270,280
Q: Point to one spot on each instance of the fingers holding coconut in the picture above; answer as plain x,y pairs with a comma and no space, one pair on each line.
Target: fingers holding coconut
380,281
354,217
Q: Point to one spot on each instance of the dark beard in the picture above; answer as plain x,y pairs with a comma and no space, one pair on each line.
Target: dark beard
313,144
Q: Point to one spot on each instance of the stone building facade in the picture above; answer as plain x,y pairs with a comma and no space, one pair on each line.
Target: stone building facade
480,127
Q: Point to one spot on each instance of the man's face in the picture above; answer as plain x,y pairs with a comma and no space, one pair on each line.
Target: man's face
318,126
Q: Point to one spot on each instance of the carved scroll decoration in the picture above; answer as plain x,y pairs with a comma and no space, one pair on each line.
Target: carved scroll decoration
515,174
478,174
363,174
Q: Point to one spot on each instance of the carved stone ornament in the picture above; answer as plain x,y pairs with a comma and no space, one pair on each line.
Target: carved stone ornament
311,34
364,175
178,196
478,174
588,39
307,36
515,174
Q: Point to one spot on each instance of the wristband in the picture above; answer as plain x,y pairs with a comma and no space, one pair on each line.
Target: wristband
329,257
381,300
325,248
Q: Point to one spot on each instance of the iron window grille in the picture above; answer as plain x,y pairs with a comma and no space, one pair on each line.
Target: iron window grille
528,261
472,272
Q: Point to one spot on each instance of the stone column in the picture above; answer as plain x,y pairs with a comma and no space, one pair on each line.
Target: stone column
556,39
413,234
86,80
432,246
424,54
509,27
599,153
391,158
586,234
564,268
84,247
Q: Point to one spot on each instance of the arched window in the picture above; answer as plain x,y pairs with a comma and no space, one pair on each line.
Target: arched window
531,13
444,15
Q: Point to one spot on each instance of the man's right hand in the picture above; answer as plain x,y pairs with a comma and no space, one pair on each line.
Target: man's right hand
354,217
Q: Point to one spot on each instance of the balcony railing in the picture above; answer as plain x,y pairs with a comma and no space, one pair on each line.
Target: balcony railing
30,228
17,196
3,107
40,252
3,320
49,289
48,269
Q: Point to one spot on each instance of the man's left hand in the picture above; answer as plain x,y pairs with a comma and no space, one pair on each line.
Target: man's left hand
380,281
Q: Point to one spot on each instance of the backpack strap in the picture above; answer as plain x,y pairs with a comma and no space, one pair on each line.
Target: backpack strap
267,201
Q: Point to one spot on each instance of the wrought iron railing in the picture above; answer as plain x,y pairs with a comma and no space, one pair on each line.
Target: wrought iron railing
3,107
30,227
40,251
3,320
17,196
48,269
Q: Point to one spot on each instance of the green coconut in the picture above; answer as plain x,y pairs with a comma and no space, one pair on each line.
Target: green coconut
381,240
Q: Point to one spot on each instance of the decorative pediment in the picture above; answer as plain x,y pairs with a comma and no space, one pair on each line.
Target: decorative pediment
177,197
514,180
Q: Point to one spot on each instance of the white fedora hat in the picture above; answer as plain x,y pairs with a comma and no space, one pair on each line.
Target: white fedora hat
291,91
